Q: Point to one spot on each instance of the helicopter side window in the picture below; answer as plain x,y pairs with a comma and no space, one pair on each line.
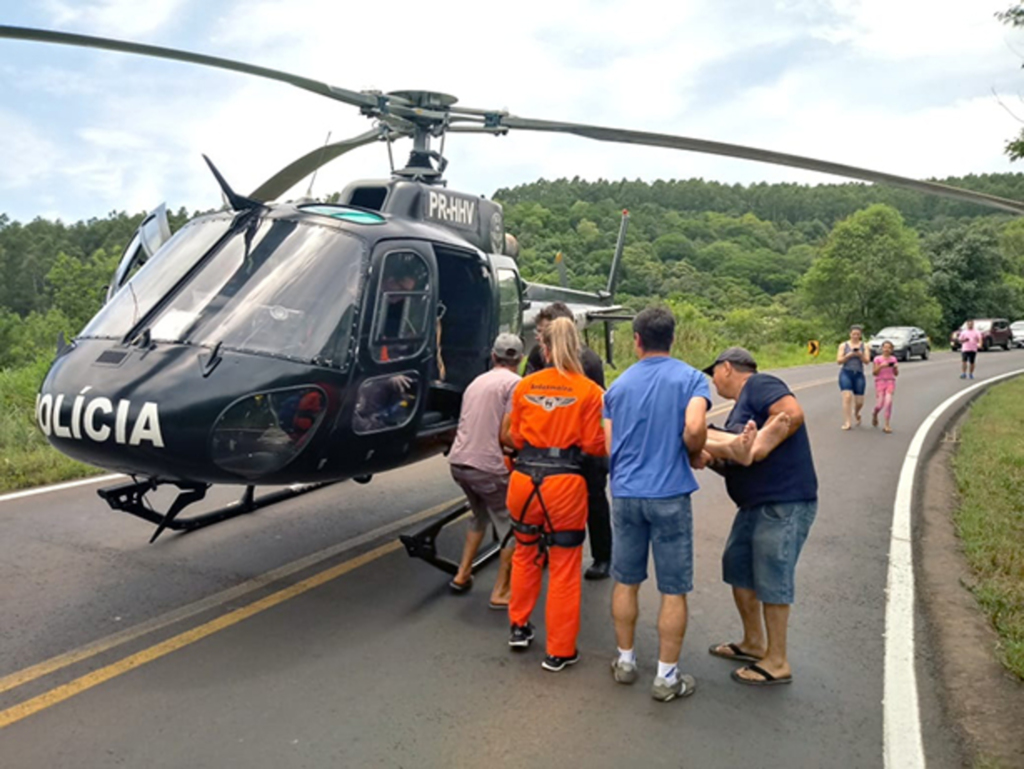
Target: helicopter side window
509,302
403,309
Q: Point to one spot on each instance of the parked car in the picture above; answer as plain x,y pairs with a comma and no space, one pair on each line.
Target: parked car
995,332
1017,331
907,341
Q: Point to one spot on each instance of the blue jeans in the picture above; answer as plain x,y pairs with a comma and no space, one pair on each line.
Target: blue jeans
852,380
764,546
664,526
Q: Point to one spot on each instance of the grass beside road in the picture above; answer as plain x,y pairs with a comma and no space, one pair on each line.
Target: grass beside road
990,519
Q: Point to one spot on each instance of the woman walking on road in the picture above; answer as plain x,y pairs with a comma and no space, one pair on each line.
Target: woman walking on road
885,370
555,420
852,355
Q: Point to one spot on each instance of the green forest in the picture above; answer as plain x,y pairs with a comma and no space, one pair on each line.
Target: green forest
768,266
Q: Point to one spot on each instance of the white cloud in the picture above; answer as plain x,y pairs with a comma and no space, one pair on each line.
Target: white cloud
27,159
896,85
113,18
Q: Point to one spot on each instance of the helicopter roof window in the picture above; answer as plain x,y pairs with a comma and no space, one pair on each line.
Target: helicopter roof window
293,293
400,326
345,214
158,275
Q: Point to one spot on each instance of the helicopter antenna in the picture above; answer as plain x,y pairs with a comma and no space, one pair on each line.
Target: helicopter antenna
236,201
391,158
309,192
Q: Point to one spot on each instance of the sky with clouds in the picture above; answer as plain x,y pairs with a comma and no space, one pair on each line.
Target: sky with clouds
904,86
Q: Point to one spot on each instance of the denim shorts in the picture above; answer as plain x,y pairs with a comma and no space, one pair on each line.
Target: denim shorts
852,380
664,526
764,546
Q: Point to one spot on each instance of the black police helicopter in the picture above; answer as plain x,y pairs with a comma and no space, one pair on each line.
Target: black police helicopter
304,342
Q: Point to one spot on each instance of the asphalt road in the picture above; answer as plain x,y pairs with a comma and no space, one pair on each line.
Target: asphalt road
224,648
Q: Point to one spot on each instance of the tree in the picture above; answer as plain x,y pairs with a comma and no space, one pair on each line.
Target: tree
79,286
1014,17
969,274
871,272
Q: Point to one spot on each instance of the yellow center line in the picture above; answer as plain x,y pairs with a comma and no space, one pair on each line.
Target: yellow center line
107,643
61,693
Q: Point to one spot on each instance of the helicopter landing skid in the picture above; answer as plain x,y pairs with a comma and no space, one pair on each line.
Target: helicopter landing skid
131,498
423,543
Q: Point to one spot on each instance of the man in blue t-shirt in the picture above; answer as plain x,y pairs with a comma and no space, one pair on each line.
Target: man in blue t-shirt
777,497
654,424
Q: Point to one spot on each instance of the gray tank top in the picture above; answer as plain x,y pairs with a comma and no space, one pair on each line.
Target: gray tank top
853,364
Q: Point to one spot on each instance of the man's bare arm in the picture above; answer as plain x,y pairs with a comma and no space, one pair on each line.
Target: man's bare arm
695,431
769,440
506,432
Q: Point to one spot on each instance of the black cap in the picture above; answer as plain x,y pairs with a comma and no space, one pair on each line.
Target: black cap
738,355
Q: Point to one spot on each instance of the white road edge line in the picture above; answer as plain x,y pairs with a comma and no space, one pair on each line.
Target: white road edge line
59,487
903,746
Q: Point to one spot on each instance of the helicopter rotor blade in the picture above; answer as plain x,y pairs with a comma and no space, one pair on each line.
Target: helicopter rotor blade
108,44
296,171
670,141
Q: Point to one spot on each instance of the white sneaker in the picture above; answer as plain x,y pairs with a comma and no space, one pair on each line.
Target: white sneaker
624,672
683,686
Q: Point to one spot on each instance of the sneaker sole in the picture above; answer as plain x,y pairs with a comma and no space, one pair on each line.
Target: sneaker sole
520,644
556,668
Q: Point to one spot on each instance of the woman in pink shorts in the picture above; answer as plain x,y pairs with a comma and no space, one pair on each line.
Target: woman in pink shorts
886,370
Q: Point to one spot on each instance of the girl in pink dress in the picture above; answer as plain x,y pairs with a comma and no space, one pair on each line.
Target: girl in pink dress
886,370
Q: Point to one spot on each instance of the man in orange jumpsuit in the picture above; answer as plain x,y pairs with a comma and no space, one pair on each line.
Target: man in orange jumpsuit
555,418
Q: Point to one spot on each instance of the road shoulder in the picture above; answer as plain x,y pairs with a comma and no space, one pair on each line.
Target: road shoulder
981,700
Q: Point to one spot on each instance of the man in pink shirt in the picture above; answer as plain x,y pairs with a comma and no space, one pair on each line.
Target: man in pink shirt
970,341
478,463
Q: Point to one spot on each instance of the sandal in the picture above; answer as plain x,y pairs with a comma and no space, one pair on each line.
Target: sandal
460,587
767,679
736,653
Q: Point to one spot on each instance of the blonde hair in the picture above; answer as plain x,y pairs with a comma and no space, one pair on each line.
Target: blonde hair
562,345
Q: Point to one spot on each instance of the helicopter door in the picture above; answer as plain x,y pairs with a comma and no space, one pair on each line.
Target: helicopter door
399,343
152,233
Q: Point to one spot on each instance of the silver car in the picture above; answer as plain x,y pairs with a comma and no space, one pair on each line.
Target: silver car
907,341
1017,329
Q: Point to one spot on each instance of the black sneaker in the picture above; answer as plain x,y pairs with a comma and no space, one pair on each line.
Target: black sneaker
554,664
520,636
598,570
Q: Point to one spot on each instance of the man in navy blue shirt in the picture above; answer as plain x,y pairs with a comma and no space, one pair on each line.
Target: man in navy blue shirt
777,497
654,427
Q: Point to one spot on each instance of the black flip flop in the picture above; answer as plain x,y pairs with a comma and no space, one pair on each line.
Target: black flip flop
497,606
767,680
737,653
460,587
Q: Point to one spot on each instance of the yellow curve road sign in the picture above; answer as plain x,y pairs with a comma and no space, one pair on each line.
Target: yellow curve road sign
813,347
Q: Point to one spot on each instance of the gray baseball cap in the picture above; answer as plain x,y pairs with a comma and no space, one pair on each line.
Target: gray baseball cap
508,346
739,355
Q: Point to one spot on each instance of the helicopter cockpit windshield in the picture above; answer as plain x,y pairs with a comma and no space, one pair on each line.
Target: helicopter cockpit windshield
291,291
